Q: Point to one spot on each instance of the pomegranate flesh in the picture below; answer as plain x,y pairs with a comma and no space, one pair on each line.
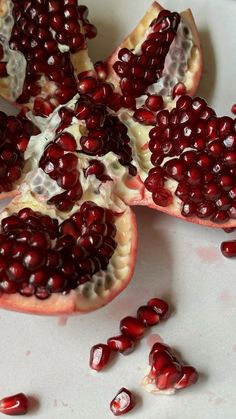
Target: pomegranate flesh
123,402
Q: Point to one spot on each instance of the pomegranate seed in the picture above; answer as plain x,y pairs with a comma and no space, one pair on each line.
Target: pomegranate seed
99,356
148,315
161,307
162,197
189,376
14,405
160,360
132,327
157,347
233,109
169,376
179,90
122,343
87,85
228,248
145,117
154,102
123,402
101,70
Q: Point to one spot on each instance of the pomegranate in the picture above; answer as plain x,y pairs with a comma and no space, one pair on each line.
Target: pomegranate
167,373
99,356
42,47
14,405
123,402
158,61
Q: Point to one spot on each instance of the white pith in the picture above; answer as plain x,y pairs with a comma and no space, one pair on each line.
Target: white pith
149,385
11,86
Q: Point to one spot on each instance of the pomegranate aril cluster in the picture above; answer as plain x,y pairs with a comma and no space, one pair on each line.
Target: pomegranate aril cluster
103,133
39,30
132,329
138,70
167,373
15,133
39,256
193,147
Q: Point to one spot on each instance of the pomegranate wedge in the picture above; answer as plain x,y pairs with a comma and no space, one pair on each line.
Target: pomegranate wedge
53,266
42,45
158,61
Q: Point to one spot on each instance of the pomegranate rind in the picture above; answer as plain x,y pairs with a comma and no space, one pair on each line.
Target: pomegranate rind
193,74
105,285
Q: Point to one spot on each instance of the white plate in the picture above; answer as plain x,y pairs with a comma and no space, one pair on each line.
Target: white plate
48,357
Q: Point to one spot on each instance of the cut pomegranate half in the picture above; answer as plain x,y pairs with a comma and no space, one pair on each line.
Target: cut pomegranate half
159,60
42,46
52,266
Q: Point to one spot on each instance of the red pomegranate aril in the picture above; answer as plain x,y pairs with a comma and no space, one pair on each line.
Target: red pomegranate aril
183,191
179,90
145,117
162,197
16,404
132,327
175,169
161,359
228,248
154,181
229,158
148,315
122,343
205,210
156,348
33,259
223,202
99,356
233,109
194,175
211,191
168,376
128,101
101,70
66,141
160,306
189,376
123,402
87,85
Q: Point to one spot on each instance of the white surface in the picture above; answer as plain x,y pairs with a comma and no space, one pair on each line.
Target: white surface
176,260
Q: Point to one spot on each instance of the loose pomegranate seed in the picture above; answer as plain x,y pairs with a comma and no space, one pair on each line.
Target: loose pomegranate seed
168,376
228,248
179,90
157,347
189,376
99,356
14,405
154,102
160,360
160,306
233,109
123,402
132,327
148,315
122,343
